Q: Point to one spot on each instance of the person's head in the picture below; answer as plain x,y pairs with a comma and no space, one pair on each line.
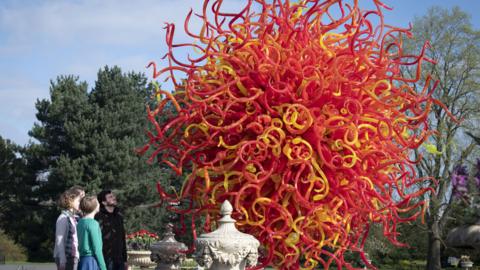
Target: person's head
79,193
78,190
107,198
69,200
89,205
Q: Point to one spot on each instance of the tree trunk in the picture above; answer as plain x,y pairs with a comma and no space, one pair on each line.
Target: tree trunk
434,247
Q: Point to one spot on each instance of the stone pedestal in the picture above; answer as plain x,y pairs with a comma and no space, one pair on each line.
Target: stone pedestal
226,247
168,253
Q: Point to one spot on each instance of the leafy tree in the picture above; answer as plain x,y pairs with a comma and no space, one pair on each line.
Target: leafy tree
455,48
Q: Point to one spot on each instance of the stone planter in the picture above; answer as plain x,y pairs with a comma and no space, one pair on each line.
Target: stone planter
168,253
140,258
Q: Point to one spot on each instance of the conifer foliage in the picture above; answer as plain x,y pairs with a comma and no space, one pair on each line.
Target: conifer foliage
88,138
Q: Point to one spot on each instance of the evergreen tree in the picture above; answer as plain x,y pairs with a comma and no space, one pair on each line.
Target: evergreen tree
87,139
39,177
64,125
119,102
23,216
9,166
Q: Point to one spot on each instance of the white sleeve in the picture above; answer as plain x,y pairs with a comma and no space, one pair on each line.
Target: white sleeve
60,238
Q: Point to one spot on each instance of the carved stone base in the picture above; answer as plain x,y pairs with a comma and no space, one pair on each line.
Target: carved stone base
222,266
226,248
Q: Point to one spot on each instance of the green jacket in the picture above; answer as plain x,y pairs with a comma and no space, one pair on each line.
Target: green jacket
90,240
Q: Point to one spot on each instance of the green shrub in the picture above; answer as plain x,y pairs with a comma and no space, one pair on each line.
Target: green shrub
11,250
188,264
404,263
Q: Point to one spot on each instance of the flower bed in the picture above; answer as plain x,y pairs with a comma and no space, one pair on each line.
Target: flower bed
141,240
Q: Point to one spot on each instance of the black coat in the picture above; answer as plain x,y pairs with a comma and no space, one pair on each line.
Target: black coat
113,235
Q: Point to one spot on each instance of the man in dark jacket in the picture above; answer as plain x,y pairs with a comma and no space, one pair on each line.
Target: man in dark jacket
113,231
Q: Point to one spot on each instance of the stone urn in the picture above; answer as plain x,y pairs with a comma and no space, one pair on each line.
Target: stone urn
168,253
140,258
226,247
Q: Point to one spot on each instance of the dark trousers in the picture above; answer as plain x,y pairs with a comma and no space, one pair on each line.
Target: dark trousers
113,265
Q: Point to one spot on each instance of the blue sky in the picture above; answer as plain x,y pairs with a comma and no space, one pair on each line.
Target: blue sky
40,40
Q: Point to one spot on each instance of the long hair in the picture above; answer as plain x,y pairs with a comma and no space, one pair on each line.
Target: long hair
65,201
